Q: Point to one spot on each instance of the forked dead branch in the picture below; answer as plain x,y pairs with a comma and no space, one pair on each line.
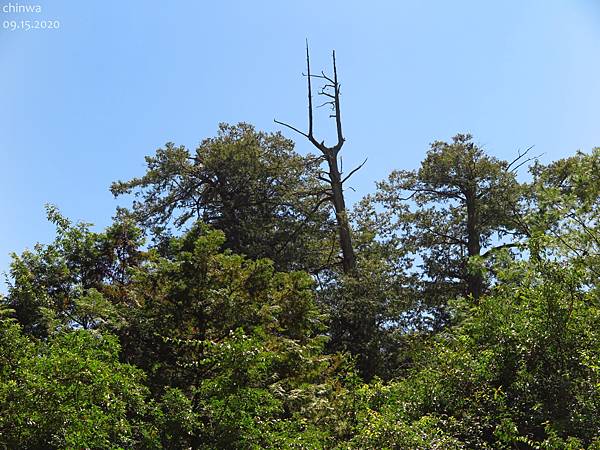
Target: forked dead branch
333,175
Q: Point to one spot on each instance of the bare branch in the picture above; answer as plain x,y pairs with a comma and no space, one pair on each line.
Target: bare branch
292,128
338,117
312,75
354,170
325,77
326,103
523,162
327,94
520,155
330,155
310,109
526,161
499,247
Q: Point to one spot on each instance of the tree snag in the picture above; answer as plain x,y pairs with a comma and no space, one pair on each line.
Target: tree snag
333,176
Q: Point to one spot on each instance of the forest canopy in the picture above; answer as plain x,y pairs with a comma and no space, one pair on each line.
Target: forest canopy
217,311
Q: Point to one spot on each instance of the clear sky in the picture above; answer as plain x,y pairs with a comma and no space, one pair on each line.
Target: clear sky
83,104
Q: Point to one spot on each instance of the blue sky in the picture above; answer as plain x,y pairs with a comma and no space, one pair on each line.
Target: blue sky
83,104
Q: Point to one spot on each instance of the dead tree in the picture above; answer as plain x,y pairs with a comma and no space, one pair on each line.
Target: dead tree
333,176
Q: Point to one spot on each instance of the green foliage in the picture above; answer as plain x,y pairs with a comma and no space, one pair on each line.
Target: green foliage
456,207
369,313
471,321
70,392
564,222
239,339
76,280
251,185
521,368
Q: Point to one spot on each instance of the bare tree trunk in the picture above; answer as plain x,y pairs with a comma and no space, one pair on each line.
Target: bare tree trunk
333,177
341,216
474,280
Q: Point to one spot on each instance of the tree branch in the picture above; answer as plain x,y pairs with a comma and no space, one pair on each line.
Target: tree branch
292,128
310,109
354,171
521,155
499,247
338,117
